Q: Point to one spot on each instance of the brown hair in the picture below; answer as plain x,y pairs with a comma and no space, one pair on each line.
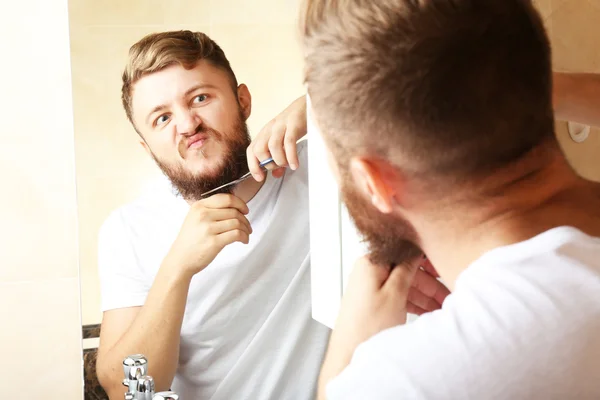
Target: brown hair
157,51
438,87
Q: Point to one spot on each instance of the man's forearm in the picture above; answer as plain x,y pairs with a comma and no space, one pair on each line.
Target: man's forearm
336,360
155,332
577,98
329,370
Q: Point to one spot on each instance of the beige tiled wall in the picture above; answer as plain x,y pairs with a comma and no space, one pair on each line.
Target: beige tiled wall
40,341
259,38
574,27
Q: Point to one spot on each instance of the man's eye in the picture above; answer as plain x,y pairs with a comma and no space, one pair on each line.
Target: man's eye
200,98
162,119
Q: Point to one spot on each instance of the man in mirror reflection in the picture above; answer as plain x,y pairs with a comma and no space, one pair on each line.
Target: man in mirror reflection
214,291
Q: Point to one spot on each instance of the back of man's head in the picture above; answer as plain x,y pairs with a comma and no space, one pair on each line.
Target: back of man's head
440,88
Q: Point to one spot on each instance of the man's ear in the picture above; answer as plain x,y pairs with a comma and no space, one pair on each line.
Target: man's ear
375,181
146,147
245,100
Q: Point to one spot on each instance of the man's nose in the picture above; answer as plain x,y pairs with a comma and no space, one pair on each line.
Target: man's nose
188,122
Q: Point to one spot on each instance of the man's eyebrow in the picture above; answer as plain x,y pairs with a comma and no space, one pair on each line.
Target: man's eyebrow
155,109
187,93
199,86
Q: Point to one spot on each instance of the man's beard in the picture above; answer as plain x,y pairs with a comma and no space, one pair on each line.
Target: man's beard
234,164
390,239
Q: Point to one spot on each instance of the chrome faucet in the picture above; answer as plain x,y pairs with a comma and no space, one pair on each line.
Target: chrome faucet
139,385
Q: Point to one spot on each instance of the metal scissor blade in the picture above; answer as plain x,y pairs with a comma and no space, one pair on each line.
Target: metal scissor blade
203,195
244,177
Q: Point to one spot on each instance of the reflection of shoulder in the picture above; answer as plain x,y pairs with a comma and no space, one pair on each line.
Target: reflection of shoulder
112,231
156,199
117,221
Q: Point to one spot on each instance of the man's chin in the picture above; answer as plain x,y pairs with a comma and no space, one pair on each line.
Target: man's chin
388,238
202,167
206,171
207,167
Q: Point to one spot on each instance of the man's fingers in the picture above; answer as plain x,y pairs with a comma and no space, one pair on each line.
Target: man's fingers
428,266
293,134
422,301
223,200
413,309
401,276
371,274
259,150
221,214
230,225
253,164
228,214
236,235
276,148
429,286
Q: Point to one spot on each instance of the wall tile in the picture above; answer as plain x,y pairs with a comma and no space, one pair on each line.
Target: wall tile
575,33
268,59
574,37
556,4
544,7
138,12
41,346
38,208
244,12
33,16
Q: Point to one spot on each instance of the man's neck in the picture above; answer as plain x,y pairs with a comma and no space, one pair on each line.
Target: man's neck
553,197
247,189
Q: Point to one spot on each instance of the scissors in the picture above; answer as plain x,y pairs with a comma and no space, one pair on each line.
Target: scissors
263,165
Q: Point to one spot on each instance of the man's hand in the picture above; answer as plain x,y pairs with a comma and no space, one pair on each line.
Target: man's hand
377,298
211,224
278,139
426,293
154,329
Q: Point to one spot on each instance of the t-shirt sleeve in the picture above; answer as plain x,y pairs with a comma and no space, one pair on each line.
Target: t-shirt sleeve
122,283
370,375
404,362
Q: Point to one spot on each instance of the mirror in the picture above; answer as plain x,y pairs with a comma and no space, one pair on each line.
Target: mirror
114,170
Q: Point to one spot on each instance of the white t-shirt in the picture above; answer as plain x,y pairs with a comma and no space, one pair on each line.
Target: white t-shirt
522,323
247,331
